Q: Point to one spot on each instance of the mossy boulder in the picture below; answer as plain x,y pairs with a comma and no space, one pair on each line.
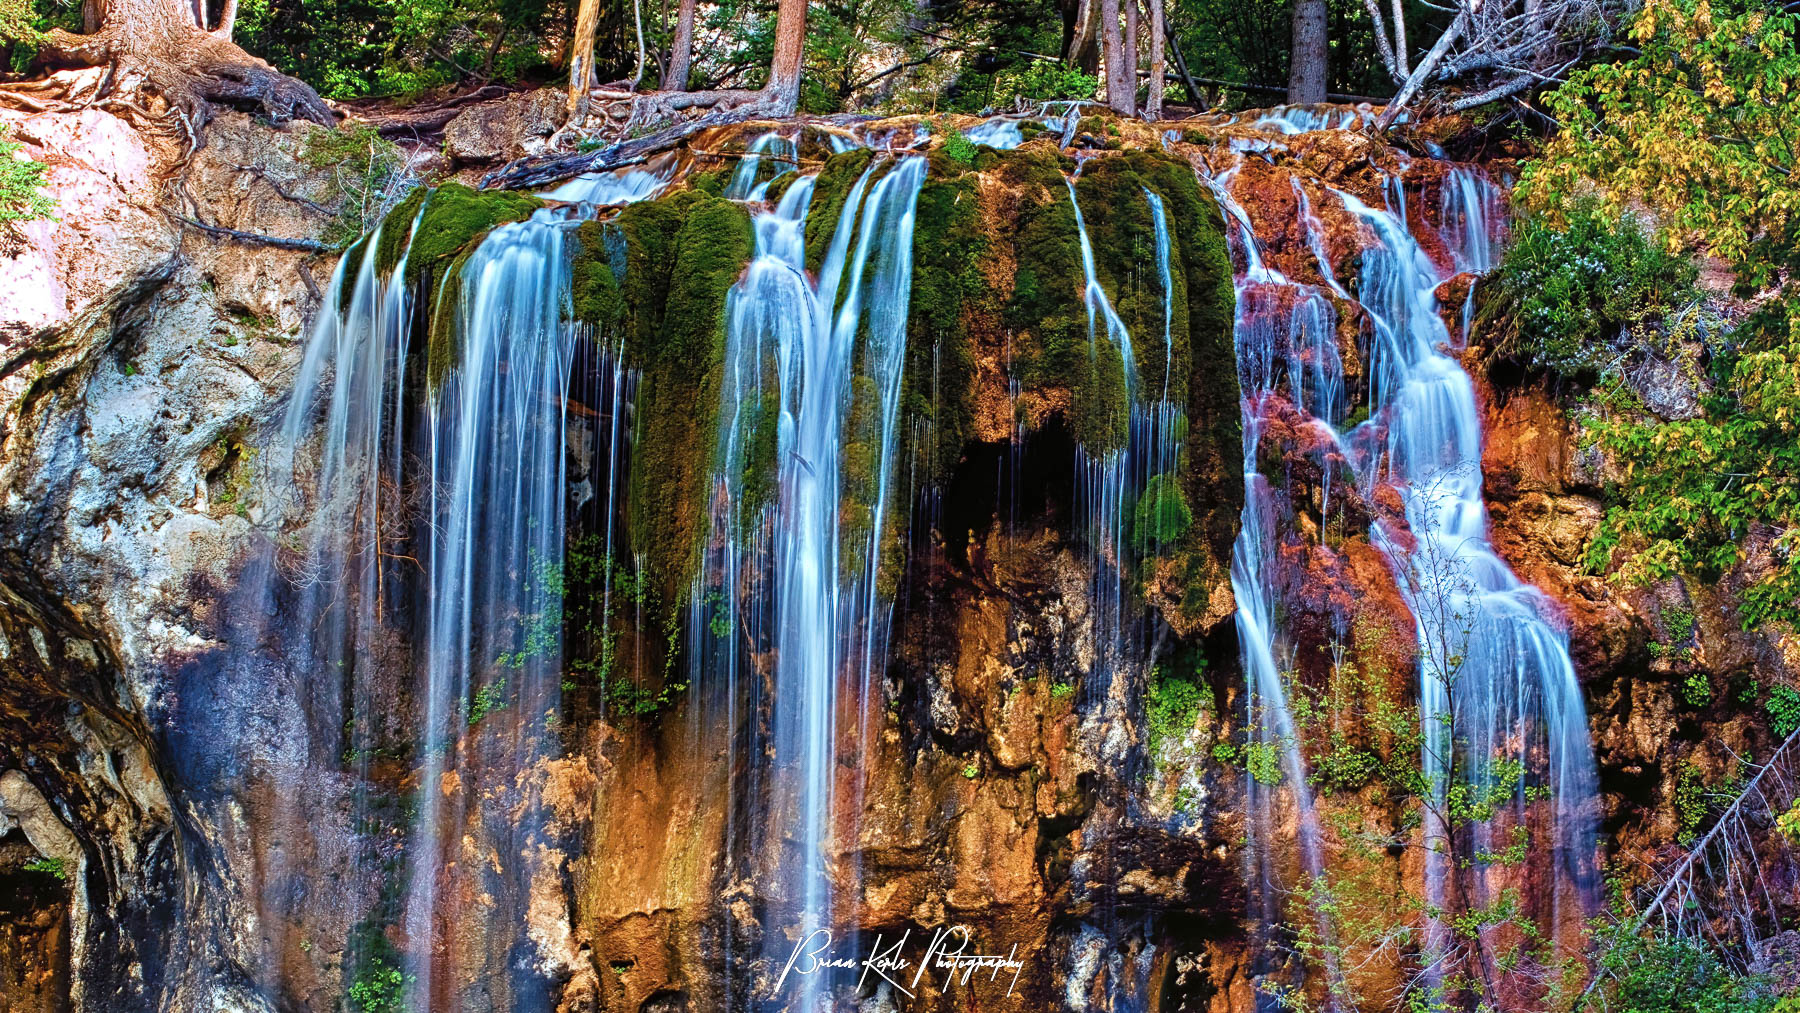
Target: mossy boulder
656,279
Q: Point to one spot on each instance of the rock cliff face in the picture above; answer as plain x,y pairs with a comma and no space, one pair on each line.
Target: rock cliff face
215,763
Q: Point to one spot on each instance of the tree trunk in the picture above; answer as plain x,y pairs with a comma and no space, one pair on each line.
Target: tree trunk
163,43
680,63
581,58
1153,100
1307,68
227,20
1084,47
1132,62
637,18
783,89
1121,81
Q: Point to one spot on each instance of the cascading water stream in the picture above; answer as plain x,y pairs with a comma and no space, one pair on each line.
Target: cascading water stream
1278,323
812,370
1112,487
1496,680
749,182
1492,659
484,528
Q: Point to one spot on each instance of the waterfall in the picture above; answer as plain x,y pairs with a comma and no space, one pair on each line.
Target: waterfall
813,370
1113,487
748,182
1492,653
1278,323
1490,645
448,536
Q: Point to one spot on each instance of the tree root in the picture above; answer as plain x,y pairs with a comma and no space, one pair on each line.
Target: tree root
193,72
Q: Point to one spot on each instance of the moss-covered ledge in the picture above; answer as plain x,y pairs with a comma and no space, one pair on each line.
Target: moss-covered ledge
656,280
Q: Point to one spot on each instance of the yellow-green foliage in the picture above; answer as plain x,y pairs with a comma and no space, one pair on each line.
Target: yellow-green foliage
1697,127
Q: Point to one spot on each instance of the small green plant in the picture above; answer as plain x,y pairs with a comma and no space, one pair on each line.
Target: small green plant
1697,690
1784,710
380,988
957,146
487,699
971,771
1690,800
1062,690
21,187
1171,706
49,866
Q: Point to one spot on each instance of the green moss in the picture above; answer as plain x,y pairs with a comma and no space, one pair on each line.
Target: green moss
443,345
830,191
1162,515
688,250
950,295
712,182
396,230
778,187
1048,304
594,279
353,259
456,216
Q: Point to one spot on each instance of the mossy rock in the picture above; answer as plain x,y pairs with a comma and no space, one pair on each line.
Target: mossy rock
396,231
454,218
830,191
352,266
950,289
684,253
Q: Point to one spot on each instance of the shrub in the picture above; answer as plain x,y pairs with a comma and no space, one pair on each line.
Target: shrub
1172,705
1043,81
380,988
1571,290
21,186
1656,975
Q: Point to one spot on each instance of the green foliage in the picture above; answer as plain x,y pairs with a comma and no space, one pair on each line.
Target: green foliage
354,48
1573,284
1691,803
487,699
21,185
1161,517
1652,974
1172,704
1784,710
369,171
957,146
971,771
379,988
1696,689
1696,126
48,866
1042,81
